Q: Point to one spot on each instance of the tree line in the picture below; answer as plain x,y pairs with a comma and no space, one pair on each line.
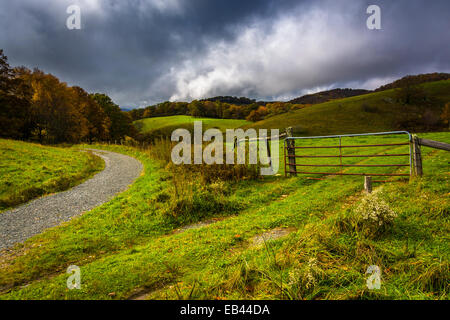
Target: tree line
254,111
39,107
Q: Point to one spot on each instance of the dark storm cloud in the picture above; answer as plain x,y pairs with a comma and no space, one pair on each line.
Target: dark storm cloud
142,52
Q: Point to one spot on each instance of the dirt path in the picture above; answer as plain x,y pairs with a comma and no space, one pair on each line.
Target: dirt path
34,217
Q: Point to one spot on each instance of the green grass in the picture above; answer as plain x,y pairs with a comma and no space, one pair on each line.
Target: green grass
128,246
30,170
166,124
374,112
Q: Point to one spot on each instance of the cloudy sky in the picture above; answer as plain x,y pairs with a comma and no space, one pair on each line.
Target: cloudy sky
141,52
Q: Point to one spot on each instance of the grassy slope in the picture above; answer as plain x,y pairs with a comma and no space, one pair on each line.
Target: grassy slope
30,170
348,116
126,246
161,123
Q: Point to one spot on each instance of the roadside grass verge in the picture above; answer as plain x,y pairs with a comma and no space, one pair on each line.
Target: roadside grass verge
136,216
164,258
29,170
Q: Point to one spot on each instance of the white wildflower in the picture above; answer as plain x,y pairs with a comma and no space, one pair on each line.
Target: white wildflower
375,211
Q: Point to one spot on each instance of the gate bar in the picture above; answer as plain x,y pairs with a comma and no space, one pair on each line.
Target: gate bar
353,135
351,165
354,146
352,174
356,156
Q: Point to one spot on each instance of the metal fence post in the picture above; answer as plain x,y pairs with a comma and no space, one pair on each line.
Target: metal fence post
268,152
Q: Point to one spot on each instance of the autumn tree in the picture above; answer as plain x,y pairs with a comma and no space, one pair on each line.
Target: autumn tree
410,92
14,103
98,123
196,109
257,115
36,105
137,114
121,123
53,110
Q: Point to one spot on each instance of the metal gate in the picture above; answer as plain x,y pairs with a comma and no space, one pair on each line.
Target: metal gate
292,146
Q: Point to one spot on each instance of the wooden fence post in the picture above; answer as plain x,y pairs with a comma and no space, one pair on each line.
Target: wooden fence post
368,184
268,152
417,156
291,152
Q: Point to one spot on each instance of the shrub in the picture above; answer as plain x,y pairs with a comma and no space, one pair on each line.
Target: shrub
191,201
129,141
388,100
374,214
369,109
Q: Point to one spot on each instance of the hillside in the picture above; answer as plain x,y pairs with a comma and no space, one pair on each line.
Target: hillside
328,95
379,111
414,80
165,125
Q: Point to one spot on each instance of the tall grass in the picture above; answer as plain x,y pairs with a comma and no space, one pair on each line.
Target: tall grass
197,190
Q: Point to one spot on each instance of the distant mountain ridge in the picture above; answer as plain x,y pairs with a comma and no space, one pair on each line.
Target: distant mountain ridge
415,80
314,98
324,96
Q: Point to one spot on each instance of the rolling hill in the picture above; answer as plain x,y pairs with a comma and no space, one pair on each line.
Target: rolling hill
415,79
378,111
163,126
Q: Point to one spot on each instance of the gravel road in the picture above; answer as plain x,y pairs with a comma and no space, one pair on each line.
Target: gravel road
34,217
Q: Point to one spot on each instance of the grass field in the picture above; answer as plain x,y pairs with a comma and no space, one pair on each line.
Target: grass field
374,112
174,122
30,170
129,247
